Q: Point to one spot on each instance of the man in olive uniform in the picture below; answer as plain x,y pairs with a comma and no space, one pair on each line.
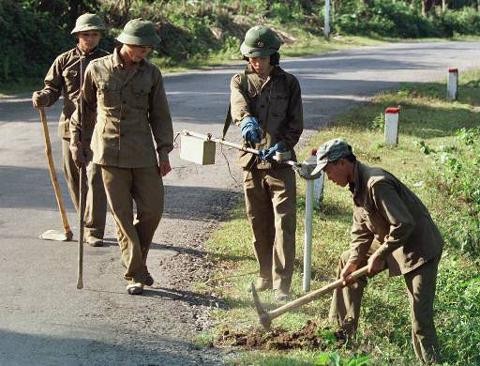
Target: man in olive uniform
391,229
266,104
127,94
63,78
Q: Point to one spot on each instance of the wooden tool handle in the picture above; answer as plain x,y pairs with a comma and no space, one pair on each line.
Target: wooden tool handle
53,174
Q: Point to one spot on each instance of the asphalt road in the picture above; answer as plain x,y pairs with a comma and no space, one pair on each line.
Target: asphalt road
45,320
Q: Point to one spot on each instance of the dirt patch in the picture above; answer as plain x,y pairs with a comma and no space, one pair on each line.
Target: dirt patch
308,337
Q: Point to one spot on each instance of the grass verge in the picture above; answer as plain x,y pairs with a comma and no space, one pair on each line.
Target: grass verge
435,137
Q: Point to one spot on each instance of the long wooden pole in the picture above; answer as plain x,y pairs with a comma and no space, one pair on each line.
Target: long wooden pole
53,175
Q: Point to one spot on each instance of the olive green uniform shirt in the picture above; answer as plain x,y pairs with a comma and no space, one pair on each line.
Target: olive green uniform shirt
388,214
122,109
63,78
277,105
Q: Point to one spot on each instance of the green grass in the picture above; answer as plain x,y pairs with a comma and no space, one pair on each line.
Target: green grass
428,123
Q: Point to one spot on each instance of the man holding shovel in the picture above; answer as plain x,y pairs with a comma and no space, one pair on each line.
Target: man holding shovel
63,78
391,229
124,104
266,104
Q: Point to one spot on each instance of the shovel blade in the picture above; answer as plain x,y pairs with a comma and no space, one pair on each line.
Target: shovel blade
56,235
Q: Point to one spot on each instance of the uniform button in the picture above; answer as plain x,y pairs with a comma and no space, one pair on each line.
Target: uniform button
122,134
262,106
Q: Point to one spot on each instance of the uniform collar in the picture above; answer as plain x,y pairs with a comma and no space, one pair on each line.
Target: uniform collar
276,71
356,186
118,61
79,52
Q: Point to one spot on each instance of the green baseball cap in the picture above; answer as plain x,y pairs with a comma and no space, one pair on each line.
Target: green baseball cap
331,151
260,41
88,22
139,32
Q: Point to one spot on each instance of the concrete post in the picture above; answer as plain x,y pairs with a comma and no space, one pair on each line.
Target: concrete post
391,125
452,84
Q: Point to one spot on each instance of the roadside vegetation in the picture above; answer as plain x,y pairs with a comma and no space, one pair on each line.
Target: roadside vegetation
202,33
438,157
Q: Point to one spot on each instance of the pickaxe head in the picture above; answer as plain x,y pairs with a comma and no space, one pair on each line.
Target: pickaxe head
263,316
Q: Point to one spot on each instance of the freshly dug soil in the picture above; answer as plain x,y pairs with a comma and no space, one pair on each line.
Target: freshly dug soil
277,339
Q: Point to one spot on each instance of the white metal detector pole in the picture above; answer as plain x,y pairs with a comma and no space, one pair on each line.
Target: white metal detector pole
326,22
307,239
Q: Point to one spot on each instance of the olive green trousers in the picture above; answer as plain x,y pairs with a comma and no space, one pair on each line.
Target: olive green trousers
421,286
144,186
270,199
96,200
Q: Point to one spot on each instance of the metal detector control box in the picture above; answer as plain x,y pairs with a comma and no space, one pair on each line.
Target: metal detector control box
197,150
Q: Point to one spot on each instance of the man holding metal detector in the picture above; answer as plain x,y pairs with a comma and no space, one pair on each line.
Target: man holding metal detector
266,104
124,103
391,229
63,78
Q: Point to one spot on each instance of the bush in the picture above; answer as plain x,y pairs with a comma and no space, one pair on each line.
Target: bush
459,181
33,41
389,18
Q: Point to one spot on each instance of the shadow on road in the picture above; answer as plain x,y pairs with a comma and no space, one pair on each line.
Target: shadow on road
33,349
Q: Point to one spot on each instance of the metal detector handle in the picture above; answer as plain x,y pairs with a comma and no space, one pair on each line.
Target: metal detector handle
236,146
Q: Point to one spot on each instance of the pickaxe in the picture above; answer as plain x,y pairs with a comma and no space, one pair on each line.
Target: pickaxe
266,317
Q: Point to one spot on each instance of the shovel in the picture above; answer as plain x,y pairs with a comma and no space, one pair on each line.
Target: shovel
266,317
67,234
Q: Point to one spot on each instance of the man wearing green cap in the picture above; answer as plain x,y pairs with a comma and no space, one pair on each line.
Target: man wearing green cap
63,78
391,229
124,104
266,104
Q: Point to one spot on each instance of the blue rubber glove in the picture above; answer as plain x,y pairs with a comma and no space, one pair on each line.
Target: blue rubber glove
269,153
250,130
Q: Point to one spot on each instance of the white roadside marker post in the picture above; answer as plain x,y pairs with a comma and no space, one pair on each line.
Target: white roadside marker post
391,125
452,84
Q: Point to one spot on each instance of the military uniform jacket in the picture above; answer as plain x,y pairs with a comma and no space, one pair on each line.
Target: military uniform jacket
63,78
277,105
387,214
124,107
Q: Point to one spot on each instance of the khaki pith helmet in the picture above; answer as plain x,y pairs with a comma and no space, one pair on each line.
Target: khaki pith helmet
260,41
139,32
88,22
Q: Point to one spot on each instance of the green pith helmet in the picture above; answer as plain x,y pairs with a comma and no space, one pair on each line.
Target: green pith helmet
88,22
139,32
260,41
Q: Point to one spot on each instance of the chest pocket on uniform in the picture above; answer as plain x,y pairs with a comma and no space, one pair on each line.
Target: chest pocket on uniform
71,80
279,103
109,92
140,92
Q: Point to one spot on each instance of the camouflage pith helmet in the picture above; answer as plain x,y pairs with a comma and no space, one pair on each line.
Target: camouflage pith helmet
260,41
330,152
88,22
139,32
